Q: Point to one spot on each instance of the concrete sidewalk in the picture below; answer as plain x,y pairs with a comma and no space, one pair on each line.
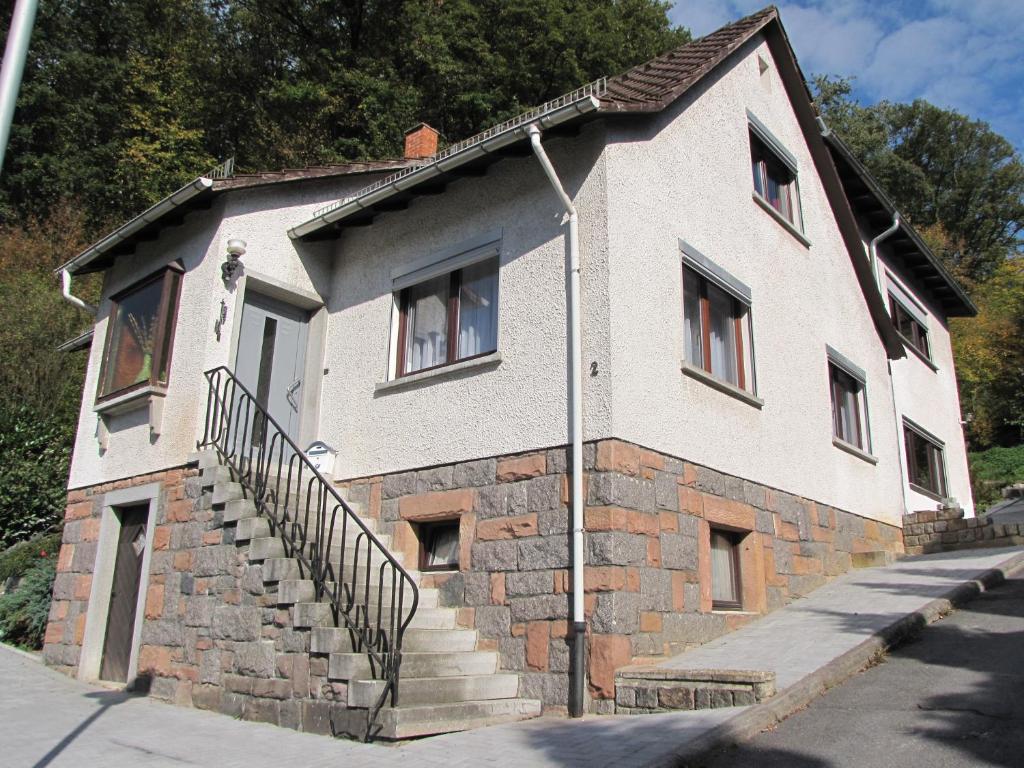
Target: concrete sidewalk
47,719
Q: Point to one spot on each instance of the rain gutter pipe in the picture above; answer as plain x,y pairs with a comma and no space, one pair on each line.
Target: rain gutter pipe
65,281
18,36
576,428
873,249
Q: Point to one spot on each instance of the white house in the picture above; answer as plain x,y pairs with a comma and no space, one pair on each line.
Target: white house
543,494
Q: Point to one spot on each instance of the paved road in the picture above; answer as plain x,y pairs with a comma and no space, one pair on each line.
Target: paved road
954,697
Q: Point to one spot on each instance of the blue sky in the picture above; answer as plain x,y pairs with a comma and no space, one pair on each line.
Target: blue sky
966,55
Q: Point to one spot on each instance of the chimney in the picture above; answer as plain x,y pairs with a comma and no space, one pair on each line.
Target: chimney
420,142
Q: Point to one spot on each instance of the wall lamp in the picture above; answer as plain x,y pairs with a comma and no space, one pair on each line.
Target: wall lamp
236,249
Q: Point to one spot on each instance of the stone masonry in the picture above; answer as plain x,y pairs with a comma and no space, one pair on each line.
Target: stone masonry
946,529
648,518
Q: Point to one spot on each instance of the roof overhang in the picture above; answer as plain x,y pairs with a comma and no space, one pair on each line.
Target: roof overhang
169,211
910,252
466,158
82,341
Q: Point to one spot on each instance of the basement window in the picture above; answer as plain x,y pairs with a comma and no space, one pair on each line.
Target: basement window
439,545
726,594
140,334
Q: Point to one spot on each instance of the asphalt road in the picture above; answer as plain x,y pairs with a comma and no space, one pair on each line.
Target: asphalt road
952,697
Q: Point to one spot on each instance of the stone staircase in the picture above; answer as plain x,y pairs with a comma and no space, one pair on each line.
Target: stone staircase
446,683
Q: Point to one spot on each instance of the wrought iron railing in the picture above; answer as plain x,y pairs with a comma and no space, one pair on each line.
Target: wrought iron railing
348,565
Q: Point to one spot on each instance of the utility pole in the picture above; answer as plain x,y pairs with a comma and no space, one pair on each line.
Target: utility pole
14,65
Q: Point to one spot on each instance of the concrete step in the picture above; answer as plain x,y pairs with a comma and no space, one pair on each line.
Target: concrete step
291,591
319,615
406,722
355,666
265,547
225,492
416,640
205,458
280,569
415,691
239,509
218,473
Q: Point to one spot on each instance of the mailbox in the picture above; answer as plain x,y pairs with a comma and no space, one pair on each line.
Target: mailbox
321,456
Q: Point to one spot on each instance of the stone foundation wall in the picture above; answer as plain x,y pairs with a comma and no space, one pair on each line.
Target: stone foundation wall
946,529
214,635
648,518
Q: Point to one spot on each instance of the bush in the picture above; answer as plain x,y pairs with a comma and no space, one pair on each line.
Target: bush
24,612
993,470
16,561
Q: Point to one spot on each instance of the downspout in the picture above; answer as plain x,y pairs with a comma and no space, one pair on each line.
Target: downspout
873,250
65,279
576,428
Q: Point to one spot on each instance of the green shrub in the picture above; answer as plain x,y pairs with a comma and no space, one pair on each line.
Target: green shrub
23,612
16,561
34,455
994,469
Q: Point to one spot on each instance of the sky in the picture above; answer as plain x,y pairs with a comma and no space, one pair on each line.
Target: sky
966,55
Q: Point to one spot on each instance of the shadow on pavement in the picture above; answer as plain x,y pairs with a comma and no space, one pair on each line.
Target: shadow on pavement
106,700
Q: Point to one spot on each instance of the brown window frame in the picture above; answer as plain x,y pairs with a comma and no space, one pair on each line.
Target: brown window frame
838,376
918,336
936,460
452,322
735,540
740,313
163,340
425,532
765,163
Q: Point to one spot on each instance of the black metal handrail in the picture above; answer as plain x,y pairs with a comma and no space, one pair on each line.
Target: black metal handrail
303,508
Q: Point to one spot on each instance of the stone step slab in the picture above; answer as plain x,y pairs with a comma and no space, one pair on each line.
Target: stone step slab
437,690
290,591
225,492
355,666
336,640
239,509
407,722
265,547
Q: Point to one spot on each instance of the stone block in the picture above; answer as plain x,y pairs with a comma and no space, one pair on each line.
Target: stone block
165,632
617,548
524,583
521,467
666,491
675,697
679,551
607,654
538,607
613,489
241,623
215,560
452,590
507,527
764,521
616,613
554,521
491,556
559,655
436,505
475,473
709,481
544,493
558,461
476,588
693,628
543,552
262,711
199,611
402,484
512,651
655,590
257,659
492,501
493,621
435,479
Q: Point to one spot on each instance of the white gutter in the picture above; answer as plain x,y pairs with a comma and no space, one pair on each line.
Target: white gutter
489,141
65,280
576,425
873,251
144,219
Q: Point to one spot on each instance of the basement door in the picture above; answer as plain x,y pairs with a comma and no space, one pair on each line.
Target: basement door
124,594
271,358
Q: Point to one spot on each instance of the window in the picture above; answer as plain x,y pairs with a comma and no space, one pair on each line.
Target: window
140,334
910,327
774,180
715,324
925,466
849,408
439,546
725,571
449,318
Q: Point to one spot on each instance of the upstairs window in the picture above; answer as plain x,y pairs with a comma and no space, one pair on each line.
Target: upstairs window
774,181
849,404
914,332
716,327
926,469
448,318
140,334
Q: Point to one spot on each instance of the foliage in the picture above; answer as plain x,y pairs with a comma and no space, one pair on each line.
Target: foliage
16,560
990,359
947,173
24,612
993,470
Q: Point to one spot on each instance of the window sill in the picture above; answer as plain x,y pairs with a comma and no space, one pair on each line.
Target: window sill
151,397
722,386
921,355
800,236
853,450
492,360
925,492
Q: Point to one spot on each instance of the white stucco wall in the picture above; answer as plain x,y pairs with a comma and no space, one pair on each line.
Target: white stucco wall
521,403
261,217
929,397
687,174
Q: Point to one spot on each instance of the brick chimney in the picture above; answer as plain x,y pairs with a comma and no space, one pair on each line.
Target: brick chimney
420,142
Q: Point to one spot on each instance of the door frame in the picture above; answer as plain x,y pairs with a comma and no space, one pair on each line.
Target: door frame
151,496
316,332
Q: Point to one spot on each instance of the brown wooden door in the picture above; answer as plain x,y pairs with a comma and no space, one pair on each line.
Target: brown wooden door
124,594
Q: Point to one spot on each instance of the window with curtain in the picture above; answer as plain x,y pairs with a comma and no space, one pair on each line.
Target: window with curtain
716,330
926,469
725,571
913,331
774,181
439,546
449,318
849,408
140,333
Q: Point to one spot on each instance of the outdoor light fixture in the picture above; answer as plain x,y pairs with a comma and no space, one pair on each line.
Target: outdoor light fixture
236,249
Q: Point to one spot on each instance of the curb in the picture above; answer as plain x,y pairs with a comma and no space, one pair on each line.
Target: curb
36,657
767,714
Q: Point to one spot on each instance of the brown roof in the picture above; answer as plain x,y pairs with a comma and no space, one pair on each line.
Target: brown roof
260,178
655,84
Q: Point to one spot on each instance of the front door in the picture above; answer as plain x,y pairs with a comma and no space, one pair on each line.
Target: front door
271,358
124,594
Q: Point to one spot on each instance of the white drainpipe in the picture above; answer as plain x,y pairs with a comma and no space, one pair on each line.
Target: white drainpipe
873,251
576,427
65,279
